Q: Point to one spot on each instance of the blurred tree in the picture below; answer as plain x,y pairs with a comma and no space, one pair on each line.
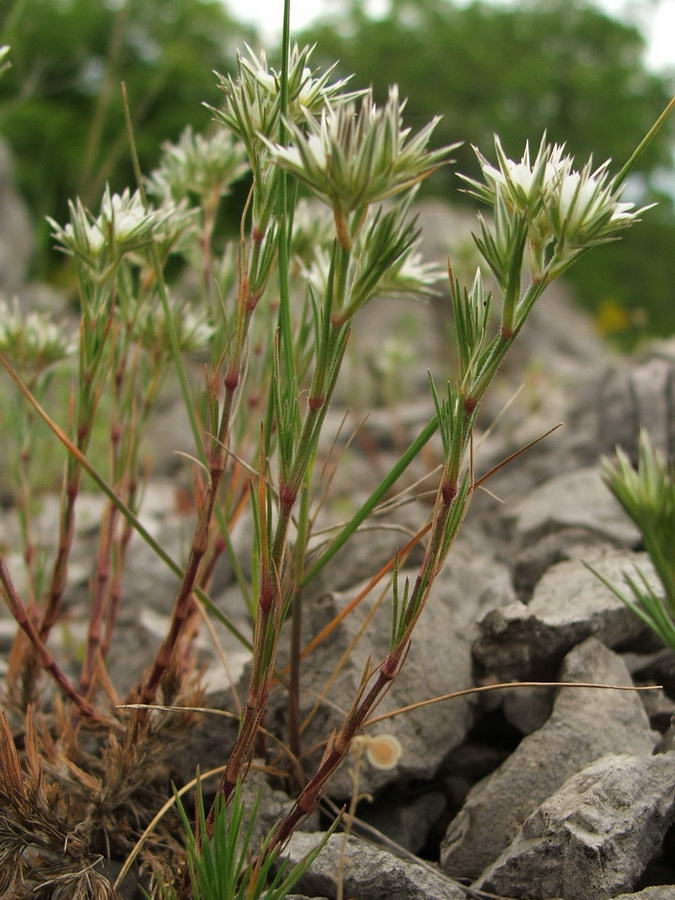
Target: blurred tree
61,105
560,66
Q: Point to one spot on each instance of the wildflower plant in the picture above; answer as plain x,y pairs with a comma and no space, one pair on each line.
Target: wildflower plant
647,494
269,328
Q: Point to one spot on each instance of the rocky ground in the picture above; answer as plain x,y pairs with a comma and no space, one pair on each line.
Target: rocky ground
528,793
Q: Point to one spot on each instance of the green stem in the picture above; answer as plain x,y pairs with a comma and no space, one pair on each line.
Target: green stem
644,143
299,551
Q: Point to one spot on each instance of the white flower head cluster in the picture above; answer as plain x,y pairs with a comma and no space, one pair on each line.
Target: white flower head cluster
32,341
193,329
586,206
353,156
124,217
198,164
576,208
386,258
252,107
123,225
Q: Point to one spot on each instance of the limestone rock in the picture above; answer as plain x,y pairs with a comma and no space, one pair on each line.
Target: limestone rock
659,892
407,822
594,836
624,398
585,724
569,604
577,499
370,873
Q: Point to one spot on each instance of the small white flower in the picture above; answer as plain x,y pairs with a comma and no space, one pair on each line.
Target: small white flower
122,226
91,235
125,215
412,275
585,207
523,185
82,236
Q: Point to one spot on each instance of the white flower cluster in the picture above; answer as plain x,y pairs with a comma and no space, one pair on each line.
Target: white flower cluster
575,208
123,225
198,164
193,329
412,275
252,107
386,260
353,156
32,341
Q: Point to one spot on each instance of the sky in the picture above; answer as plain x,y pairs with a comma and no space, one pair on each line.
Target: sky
655,17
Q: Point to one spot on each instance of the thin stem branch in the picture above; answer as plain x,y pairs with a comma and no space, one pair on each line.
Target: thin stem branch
47,661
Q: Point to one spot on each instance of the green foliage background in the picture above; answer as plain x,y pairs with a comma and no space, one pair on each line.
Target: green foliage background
556,65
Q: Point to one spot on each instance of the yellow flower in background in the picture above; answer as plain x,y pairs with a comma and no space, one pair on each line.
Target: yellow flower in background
612,318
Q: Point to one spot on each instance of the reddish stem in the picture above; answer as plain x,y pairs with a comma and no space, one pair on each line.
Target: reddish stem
45,657
100,595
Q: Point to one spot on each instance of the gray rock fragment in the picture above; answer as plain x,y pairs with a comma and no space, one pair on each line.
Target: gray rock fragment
585,724
577,499
527,709
624,399
303,897
370,873
594,836
537,556
659,892
569,604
